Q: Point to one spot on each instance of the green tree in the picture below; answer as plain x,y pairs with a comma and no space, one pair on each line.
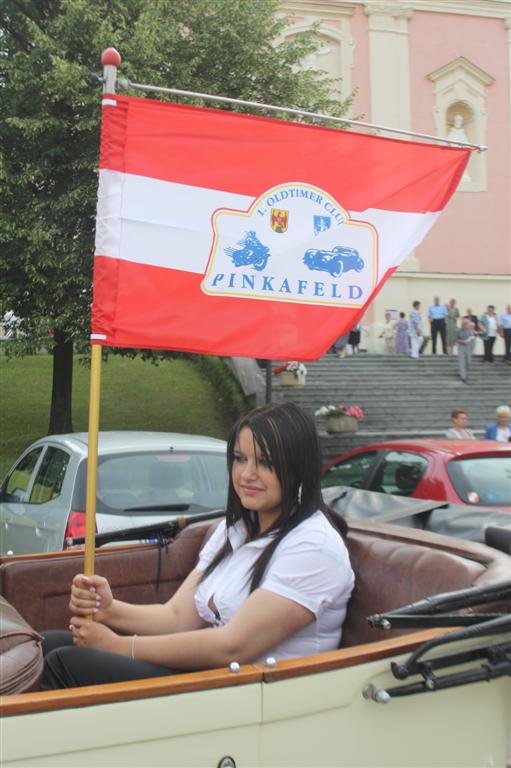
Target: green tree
49,133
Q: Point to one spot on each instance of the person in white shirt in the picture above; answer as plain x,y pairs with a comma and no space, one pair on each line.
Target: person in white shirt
489,328
415,329
273,580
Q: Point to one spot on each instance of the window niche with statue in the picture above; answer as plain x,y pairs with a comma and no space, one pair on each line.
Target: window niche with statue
460,113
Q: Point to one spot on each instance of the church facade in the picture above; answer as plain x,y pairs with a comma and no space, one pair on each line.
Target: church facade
440,67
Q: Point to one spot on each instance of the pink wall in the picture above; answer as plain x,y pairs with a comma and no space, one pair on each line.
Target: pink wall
475,230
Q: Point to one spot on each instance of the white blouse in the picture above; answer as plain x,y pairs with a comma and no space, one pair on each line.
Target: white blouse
310,566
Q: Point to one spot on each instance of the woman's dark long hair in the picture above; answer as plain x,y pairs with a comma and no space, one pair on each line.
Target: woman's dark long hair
287,438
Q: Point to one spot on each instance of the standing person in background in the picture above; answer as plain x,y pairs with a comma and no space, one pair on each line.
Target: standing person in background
453,314
437,314
339,345
388,333
474,322
473,319
415,329
500,429
459,430
488,330
505,331
464,340
401,344
353,340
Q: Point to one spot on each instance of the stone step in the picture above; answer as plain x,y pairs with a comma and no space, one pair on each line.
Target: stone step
401,397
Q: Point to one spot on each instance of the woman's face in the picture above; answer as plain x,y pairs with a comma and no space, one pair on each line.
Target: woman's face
460,421
255,481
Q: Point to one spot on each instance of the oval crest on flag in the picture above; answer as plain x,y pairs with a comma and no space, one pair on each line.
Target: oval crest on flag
311,251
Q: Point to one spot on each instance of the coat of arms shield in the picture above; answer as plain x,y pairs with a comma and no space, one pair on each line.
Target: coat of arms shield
279,220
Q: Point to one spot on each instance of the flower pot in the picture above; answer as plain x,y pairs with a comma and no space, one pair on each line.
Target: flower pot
291,379
341,423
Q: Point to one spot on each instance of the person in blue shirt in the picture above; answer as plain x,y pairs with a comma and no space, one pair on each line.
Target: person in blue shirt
437,314
500,430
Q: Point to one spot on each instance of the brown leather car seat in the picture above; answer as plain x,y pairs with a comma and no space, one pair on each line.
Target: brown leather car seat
390,573
21,658
393,567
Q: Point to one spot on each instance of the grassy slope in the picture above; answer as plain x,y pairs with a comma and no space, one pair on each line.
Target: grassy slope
172,396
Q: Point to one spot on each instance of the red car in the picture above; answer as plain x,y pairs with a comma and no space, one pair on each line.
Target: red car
475,472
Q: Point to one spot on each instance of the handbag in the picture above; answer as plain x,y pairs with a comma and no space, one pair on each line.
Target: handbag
21,656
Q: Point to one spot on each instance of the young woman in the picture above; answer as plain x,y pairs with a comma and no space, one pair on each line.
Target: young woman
274,578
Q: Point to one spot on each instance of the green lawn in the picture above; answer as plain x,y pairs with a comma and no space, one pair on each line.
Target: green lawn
172,396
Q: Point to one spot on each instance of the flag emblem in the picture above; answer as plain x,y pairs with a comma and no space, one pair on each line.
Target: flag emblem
249,251
321,224
337,266
279,220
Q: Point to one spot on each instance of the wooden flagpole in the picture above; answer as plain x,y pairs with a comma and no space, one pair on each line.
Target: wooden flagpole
110,59
92,460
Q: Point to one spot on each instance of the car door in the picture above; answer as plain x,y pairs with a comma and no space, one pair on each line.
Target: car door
351,471
33,509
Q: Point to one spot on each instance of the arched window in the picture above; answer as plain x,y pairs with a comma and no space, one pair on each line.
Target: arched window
335,52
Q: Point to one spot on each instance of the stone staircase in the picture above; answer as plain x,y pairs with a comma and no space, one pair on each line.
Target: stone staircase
401,397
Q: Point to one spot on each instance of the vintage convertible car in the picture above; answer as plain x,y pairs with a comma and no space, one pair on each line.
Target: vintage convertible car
402,690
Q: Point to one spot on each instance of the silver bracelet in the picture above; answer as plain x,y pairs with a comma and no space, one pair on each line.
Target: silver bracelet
133,646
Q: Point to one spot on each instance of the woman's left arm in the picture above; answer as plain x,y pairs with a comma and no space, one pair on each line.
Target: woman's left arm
263,621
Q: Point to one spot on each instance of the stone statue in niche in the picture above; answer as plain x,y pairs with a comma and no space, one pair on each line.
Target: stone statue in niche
457,133
311,60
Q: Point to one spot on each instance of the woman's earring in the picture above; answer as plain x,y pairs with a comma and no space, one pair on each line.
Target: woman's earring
300,493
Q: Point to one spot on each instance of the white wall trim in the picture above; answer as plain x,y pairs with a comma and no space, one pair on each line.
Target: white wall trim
324,8
462,62
498,9
389,65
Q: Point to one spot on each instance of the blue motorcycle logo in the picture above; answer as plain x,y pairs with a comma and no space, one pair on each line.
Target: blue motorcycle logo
340,259
252,252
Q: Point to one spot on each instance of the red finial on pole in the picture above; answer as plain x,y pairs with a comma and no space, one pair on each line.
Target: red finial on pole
112,57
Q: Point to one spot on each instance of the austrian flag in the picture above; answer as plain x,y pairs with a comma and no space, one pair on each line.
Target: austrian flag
230,234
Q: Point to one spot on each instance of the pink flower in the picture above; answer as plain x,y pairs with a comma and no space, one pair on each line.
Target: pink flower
354,410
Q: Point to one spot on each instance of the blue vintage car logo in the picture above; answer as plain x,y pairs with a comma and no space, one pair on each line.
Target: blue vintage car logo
337,261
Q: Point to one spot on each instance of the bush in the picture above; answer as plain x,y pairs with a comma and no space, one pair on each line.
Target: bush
224,382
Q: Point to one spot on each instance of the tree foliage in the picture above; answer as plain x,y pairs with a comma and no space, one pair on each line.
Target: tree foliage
50,117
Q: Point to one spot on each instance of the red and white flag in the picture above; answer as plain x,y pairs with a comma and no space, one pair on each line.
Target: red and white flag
230,234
